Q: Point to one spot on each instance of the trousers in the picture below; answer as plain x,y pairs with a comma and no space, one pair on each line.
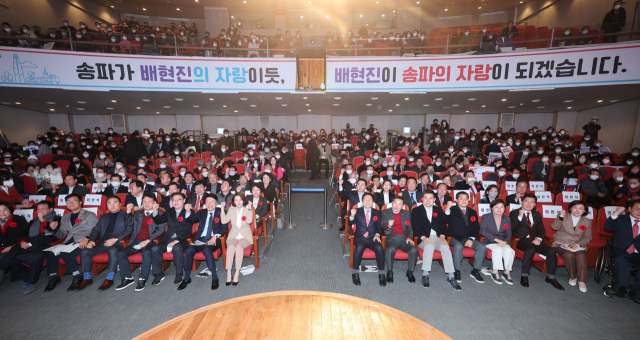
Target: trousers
207,251
32,258
159,249
395,242
531,249
500,255
427,255
87,254
478,256
70,261
123,259
235,249
576,263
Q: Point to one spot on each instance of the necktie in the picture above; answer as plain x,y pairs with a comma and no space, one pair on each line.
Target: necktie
209,230
367,218
424,188
413,198
441,201
529,223
635,230
464,211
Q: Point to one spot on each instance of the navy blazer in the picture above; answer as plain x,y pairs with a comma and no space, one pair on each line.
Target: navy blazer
122,229
490,231
361,224
109,192
521,228
351,195
176,229
622,229
422,226
462,227
216,223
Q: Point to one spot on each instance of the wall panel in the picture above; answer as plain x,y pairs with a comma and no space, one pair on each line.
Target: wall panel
525,121
81,122
315,122
20,125
211,123
189,122
474,120
60,121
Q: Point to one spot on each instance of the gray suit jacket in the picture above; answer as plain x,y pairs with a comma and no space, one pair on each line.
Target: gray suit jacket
155,230
80,230
490,231
405,218
592,188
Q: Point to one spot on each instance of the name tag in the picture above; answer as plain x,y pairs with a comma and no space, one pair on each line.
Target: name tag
299,147
514,206
92,209
37,198
346,145
551,211
590,215
544,196
62,201
94,187
93,199
485,184
483,209
536,186
570,196
26,213
59,212
510,185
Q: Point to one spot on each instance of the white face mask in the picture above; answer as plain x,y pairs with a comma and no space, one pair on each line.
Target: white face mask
232,173
162,166
594,177
100,174
525,153
501,173
389,172
515,176
437,139
616,7
629,162
585,32
118,166
540,152
593,165
8,183
141,165
634,154
86,155
352,180
115,184
598,144
619,179
545,159
349,171
438,163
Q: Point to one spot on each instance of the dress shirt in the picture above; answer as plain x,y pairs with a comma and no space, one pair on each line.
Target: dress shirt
530,220
239,223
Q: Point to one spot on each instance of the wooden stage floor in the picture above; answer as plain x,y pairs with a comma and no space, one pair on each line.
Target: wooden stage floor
295,315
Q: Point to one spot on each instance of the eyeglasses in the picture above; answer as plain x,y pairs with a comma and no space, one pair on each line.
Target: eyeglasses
72,201
113,203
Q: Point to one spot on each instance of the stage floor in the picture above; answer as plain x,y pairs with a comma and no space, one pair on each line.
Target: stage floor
295,315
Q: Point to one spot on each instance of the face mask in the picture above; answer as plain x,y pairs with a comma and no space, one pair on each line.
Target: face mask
456,137
437,139
606,161
634,154
534,143
581,160
540,152
115,184
493,195
466,33
438,163
544,138
261,156
558,150
450,150
525,153
598,144
587,138
593,165
629,162
124,38
545,159
352,180
594,177
389,173
349,172
118,166
484,139
616,7
473,139
484,31
501,173
567,32
113,40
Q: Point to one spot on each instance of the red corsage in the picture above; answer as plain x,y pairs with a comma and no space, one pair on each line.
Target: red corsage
259,203
149,221
78,220
180,219
473,218
375,218
406,222
13,224
216,220
201,201
583,228
506,226
12,194
32,202
435,214
244,218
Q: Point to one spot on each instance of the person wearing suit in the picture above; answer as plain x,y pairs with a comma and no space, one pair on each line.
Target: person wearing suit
517,197
212,184
111,228
573,232
135,196
115,188
240,234
39,236
430,226
354,197
441,196
13,230
166,202
196,199
541,169
79,169
597,193
174,239
521,159
71,188
144,232
399,235
464,229
260,204
206,239
469,183
424,183
386,194
411,196
367,236
496,230
143,179
625,243
528,228
74,227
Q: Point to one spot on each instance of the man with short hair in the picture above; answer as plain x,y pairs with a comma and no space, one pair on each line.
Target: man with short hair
441,195
528,228
71,188
135,195
521,190
410,196
597,193
144,232
625,245
399,235
196,199
367,236
464,230
111,228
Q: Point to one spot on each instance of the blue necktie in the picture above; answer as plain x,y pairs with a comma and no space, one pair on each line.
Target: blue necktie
413,198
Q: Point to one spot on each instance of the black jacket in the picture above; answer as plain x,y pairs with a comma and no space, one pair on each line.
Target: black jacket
462,227
177,229
520,229
14,233
201,218
422,226
622,233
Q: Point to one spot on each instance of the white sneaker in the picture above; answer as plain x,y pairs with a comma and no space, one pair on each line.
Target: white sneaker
486,271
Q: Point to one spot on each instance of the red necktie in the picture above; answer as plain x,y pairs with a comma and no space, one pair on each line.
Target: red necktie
367,217
529,223
635,230
441,201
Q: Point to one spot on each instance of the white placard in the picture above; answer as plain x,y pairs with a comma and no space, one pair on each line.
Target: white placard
26,213
59,212
510,185
93,200
346,145
485,184
247,192
478,170
536,186
394,181
544,196
92,209
514,206
335,146
61,201
299,147
570,196
550,211
94,186
590,214
510,192
252,146
608,211
37,198
483,209
125,184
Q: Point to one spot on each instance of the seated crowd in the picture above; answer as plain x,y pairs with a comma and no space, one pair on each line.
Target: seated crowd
156,186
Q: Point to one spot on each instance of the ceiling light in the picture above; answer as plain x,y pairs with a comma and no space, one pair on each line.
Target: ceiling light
167,107
253,105
600,101
113,7
177,9
210,98
337,98
374,98
390,110
51,103
196,106
235,110
224,106
284,104
397,104
471,99
80,109
138,107
455,105
406,99
369,104
278,98
301,17
144,9
417,2
113,100
383,15
6,103
479,7
336,104
613,101
467,111
309,110
568,107
521,1
146,100
504,99
377,2
361,15
158,112
512,107
81,102
232,17
541,107
109,108
484,106
327,17
179,99
438,98
425,104
304,97
535,100
51,109
446,9
568,100
306,104
18,103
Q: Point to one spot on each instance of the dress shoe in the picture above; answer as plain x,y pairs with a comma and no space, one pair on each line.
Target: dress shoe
140,285
235,283
356,279
633,295
30,288
524,281
228,283
454,284
215,284
554,283
184,284
477,277
341,228
106,285
425,281
410,276
390,276
125,283
457,276
84,284
619,290
178,279
74,284
52,284
382,280
157,278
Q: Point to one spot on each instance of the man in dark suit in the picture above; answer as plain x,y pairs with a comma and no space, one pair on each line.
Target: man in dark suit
614,183
352,196
521,158
411,196
135,195
441,196
367,236
419,167
143,179
112,227
541,169
206,240
464,229
213,186
72,187
521,190
397,227
145,231
430,226
159,145
116,187
527,226
625,244
174,239
313,154
469,183
424,184
166,202
196,199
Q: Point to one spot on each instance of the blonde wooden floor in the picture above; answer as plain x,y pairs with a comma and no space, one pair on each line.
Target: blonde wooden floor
295,315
